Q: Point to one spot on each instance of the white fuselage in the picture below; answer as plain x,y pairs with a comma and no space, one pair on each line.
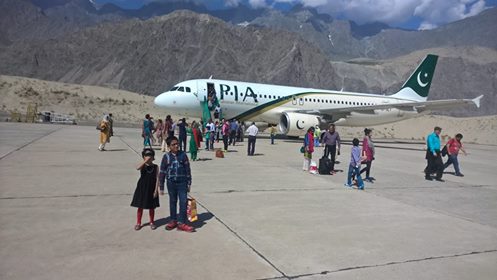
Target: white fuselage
266,103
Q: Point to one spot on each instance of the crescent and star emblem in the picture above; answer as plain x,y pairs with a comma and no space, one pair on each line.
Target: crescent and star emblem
298,126
421,84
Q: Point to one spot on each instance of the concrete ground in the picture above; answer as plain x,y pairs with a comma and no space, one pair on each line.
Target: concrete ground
66,214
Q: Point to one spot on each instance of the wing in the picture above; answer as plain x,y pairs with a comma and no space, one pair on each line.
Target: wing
405,106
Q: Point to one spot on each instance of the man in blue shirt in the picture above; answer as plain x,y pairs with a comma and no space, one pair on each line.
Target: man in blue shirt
433,156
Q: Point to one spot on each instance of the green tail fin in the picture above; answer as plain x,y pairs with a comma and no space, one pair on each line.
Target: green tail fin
420,79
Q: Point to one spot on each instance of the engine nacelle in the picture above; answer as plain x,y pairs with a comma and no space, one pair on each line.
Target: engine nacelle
297,124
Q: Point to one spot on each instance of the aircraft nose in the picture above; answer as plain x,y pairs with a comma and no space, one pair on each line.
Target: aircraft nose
161,99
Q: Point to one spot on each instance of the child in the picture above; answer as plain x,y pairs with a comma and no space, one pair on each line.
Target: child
354,166
146,193
175,167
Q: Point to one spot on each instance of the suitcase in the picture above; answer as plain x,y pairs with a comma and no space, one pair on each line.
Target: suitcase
324,166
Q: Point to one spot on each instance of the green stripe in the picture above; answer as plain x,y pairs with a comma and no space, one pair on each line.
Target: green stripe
271,105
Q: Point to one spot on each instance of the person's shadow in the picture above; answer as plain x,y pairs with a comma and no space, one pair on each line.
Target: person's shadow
202,218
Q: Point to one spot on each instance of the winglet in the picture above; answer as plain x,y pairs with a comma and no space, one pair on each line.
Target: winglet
477,100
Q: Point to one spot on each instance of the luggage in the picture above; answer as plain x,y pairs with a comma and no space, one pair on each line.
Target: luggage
313,168
191,209
219,153
444,151
324,166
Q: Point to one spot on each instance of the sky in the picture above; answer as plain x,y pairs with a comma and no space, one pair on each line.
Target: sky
409,14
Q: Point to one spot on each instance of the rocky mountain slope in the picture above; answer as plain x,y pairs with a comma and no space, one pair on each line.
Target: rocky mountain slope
342,39
149,56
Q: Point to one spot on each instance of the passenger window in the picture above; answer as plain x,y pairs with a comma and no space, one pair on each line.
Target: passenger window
181,89
265,96
188,89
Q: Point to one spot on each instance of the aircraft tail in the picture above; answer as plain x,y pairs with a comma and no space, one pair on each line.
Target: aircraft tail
416,88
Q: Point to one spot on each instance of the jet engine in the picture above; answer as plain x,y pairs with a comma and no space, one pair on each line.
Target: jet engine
296,124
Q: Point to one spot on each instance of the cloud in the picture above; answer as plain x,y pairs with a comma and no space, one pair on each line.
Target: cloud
431,13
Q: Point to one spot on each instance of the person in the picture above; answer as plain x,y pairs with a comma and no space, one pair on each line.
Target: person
217,112
207,135
317,136
175,170
193,148
111,127
146,131
182,134
308,148
217,128
453,147
152,130
355,165
166,133
225,131
331,139
241,128
233,130
272,133
104,132
159,131
252,135
146,194
433,156
212,133
368,153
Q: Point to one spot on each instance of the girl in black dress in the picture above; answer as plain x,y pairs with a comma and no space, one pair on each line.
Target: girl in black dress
147,188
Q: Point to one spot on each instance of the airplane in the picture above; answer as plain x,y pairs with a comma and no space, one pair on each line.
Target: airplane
296,109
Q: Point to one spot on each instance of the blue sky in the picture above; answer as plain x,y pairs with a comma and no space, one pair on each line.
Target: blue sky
410,14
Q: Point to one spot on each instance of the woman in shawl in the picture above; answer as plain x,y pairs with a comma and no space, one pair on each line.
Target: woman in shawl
104,132
191,131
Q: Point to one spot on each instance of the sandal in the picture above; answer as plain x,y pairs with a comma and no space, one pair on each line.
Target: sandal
138,227
153,226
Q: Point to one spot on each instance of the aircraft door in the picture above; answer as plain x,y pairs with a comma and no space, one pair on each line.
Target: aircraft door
201,91
301,101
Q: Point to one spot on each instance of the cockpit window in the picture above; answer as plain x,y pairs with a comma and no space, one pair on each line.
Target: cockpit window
173,89
188,89
181,89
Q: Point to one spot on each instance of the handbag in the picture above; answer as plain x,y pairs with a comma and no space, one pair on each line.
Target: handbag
444,151
191,209
302,149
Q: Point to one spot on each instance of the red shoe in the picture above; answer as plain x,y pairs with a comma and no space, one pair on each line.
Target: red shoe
171,225
185,227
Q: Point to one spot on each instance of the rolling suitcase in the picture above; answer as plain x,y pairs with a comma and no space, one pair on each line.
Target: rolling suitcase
324,166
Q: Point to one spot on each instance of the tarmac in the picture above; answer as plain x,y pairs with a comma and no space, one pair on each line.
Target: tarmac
66,213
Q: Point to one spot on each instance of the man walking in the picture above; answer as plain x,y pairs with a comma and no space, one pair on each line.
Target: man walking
453,147
331,139
252,134
433,156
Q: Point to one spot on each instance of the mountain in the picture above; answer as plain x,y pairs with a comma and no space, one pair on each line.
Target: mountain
150,56
343,40
21,20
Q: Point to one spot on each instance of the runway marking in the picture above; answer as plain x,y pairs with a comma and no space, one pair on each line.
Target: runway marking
246,243
383,264
66,196
31,142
